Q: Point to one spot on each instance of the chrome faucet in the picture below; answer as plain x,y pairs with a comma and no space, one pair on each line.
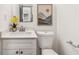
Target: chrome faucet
21,29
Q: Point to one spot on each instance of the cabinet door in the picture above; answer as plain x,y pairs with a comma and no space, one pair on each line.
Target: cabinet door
19,43
27,51
10,52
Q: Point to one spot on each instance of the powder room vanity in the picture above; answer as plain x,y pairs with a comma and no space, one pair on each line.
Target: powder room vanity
19,43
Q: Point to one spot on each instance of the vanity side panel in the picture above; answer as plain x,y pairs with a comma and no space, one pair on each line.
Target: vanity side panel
0,43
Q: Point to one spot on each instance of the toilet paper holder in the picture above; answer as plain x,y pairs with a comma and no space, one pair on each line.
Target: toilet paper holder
71,43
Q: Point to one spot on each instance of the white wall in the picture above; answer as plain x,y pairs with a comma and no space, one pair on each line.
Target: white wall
4,16
67,28
8,11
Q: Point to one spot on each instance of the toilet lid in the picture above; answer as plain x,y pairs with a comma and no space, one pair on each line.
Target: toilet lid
48,52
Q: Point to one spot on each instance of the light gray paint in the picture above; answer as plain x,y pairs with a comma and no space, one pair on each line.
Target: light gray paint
67,28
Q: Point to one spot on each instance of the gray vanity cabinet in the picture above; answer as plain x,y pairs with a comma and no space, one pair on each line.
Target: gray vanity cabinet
19,46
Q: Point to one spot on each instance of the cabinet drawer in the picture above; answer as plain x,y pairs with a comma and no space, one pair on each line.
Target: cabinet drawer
10,52
14,44
27,52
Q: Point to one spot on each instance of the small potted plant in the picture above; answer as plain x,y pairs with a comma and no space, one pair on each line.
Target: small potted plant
13,24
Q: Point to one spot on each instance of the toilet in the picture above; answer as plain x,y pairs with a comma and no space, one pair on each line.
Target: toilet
45,41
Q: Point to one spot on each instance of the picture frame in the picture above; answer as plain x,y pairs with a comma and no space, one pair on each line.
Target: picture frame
25,13
44,14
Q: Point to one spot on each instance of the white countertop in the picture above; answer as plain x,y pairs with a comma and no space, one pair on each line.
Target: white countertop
27,34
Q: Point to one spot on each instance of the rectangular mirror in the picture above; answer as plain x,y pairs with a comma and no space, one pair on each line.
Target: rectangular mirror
25,13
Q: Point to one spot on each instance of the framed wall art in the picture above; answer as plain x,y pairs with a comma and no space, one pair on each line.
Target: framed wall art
25,13
44,14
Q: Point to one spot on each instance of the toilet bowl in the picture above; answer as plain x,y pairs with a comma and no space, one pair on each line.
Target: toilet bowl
48,52
45,40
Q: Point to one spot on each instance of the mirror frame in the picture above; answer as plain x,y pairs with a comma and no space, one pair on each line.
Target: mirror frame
21,13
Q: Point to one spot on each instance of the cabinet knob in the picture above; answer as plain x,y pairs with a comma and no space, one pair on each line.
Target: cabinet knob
16,52
21,52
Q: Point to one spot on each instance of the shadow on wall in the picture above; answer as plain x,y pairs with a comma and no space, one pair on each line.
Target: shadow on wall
60,47
54,45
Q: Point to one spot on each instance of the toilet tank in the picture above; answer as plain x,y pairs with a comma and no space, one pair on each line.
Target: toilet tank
45,39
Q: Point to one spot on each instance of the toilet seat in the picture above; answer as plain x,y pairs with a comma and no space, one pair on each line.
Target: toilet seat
48,52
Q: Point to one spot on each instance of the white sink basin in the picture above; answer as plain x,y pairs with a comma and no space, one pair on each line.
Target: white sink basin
19,33
27,34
